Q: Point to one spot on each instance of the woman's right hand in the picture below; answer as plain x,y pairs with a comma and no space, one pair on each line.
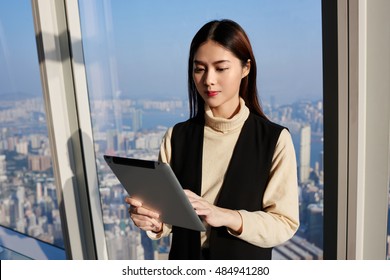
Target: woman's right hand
142,217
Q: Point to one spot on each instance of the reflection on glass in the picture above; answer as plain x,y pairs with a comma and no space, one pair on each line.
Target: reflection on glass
6,254
28,200
136,58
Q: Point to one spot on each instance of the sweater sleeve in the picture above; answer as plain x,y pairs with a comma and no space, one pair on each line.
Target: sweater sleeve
164,156
165,148
280,219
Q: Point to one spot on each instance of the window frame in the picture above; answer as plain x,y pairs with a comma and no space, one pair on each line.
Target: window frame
61,79
355,218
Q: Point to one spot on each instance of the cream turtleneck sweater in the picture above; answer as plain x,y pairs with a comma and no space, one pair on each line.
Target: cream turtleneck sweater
280,218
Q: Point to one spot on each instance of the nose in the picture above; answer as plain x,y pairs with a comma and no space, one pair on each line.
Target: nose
209,78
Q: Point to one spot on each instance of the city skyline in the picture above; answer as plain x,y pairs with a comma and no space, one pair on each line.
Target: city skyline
41,217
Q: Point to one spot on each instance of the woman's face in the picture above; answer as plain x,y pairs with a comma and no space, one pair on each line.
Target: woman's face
217,75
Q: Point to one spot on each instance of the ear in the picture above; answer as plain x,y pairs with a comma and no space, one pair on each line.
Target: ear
246,69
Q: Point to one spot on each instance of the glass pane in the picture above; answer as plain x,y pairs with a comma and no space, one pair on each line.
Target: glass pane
6,254
28,200
136,61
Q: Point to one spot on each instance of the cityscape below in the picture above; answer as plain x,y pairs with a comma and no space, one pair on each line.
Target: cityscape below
134,128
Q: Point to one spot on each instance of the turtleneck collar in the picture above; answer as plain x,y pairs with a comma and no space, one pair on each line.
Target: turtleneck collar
225,125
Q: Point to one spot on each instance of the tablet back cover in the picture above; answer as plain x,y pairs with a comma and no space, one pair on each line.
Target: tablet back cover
155,184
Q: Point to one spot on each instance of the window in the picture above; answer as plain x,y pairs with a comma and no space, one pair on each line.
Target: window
28,198
122,41
136,59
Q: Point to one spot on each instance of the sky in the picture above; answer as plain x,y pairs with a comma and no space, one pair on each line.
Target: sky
140,48
19,68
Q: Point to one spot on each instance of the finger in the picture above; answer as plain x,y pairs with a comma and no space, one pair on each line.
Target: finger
141,219
187,191
200,205
156,224
192,197
146,223
133,201
145,212
203,212
191,194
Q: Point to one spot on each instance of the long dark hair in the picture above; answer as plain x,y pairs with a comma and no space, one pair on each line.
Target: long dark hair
231,36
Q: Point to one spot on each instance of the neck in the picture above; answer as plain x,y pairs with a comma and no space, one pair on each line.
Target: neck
226,113
224,124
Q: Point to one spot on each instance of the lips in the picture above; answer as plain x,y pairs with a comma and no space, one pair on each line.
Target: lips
211,93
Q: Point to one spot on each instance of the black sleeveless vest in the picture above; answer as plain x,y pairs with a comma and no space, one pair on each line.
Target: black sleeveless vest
243,187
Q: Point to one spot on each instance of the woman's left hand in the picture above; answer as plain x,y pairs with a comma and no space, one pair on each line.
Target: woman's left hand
213,215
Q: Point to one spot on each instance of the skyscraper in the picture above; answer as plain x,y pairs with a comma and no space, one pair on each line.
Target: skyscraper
137,119
39,192
3,168
304,153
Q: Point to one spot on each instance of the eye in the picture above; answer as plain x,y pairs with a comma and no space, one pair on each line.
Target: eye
199,69
222,69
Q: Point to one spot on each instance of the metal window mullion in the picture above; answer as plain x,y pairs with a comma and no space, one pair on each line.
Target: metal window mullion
342,193
368,129
84,117
58,89
356,141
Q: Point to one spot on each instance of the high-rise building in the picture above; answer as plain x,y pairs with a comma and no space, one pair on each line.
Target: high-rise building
111,141
13,210
50,191
137,119
39,191
39,163
22,147
304,153
11,143
3,168
20,198
35,141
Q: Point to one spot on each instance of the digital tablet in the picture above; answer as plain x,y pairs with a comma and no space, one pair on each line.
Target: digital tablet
155,184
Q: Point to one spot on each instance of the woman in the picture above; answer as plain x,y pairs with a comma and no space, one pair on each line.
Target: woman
238,168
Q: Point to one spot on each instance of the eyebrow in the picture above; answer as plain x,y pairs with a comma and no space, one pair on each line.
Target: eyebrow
215,62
